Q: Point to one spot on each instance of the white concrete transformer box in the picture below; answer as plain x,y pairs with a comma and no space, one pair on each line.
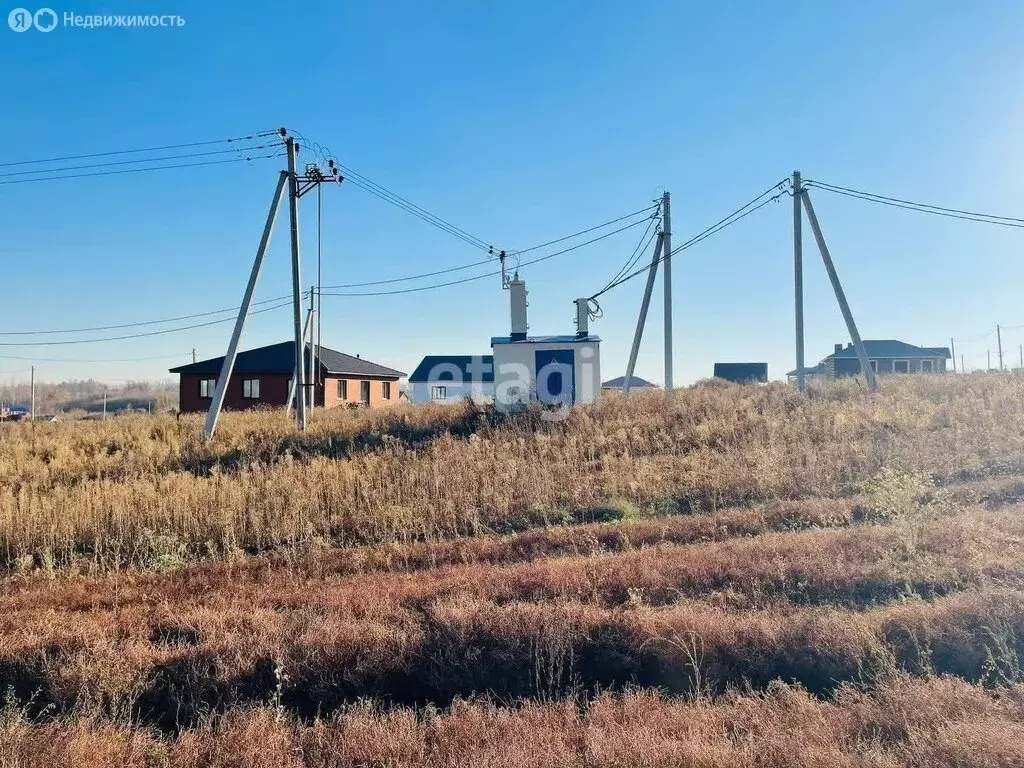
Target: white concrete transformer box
552,370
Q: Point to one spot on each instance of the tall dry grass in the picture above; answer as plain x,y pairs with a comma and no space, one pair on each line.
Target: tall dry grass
137,492
905,723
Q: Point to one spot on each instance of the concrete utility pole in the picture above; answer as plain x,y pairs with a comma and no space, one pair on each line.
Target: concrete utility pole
306,330
988,359
104,403
999,341
666,238
851,326
798,280
32,399
293,215
243,312
193,355
962,369
641,319
952,352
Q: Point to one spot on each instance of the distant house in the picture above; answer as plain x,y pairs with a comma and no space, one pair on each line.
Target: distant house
452,378
262,377
816,372
635,382
886,356
742,373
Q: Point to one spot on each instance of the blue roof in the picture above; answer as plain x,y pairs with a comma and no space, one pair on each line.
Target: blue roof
544,339
452,367
891,348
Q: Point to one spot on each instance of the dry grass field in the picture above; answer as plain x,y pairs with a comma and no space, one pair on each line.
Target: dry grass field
745,577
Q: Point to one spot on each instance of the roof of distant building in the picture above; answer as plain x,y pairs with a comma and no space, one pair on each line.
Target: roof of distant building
818,370
464,368
635,382
891,348
544,340
280,358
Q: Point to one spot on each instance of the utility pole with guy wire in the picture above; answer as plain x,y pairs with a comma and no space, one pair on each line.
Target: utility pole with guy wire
32,398
999,342
837,287
641,319
952,352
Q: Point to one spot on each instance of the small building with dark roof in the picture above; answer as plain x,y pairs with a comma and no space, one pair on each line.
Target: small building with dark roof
262,377
742,373
452,378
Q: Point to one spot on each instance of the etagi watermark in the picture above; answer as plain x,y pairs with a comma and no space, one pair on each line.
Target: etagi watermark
516,386
47,20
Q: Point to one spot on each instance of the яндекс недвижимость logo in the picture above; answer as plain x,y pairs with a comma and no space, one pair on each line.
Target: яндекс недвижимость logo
46,20
22,19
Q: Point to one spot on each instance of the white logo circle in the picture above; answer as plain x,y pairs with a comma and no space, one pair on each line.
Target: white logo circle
20,20
45,19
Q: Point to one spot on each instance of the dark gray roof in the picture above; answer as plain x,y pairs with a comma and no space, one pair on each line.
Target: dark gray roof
451,367
892,348
818,370
635,382
742,373
280,358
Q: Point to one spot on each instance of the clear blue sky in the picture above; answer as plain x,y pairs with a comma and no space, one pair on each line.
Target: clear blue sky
522,122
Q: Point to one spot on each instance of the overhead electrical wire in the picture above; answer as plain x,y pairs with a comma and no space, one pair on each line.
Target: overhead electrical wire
491,259
740,213
78,360
585,231
231,151
139,324
935,210
164,148
137,335
136,170
491,274
641,246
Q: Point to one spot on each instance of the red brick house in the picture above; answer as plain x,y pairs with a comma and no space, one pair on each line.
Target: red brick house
261,377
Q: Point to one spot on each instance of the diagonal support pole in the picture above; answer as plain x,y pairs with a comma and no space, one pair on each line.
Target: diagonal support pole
641,319
851,326
243,312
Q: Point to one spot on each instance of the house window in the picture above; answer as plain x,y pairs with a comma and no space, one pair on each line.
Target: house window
438,393
901,366
385,389
343,389
364,392
927,366
206,387
874,365
251,389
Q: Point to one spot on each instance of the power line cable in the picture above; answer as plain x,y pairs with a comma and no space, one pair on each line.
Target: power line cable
488,260
138,324
895,202
740,213
585,231
438,223
491,274
166,147
641,246
136,335
232,151
77,360
139,170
